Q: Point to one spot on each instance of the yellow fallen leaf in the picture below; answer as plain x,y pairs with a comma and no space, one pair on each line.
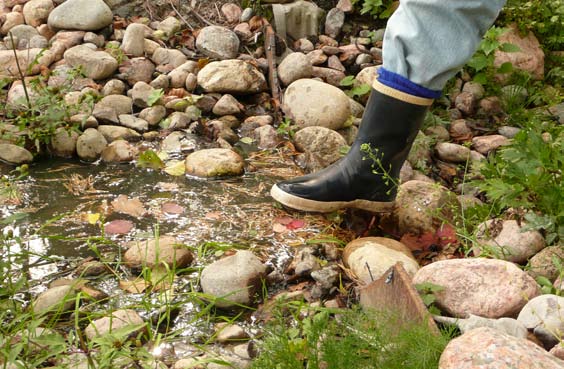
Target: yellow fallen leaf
175,168
93,218
163,155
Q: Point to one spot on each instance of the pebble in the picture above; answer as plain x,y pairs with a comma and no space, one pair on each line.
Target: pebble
119,319
15,155
57,300
134,40
218,42
322,142
90,145
214,163
230,332
166,249
293,67
231,76
486,144
542,263
451,152
63,143
334,22
226,105
84,15
94,64
119,151
544,315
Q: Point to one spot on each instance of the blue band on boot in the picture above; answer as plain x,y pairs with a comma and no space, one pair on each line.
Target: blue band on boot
401,83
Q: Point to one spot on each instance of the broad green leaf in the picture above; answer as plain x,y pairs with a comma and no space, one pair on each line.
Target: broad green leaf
478,62
247,140
149,159
155,96
347,81
509,48
506,67
175,168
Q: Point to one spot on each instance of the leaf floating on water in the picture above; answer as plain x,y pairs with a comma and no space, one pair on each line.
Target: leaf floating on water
137,285
133,207
295,224
172,208
176,168
93,218
287,224
149,159
119,226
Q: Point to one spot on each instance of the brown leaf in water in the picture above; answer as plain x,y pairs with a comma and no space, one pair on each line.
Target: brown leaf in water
133,207
213,215
137,285
119,226
172,208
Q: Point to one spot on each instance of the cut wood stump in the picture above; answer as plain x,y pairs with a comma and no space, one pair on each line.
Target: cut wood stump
394,293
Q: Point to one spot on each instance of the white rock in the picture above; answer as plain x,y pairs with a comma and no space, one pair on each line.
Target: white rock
218,42
134,40
546,313
36,11
227,105
214,163
313,103
370,257
231,76
322,142
94,64
294,66
90,145
85,15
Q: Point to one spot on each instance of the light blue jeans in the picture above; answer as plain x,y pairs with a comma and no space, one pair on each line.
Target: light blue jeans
428,41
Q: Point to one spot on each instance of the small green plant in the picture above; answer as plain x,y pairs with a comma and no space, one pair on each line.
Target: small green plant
114,50
315,339
155,96
378,167
428,291
285,128
382,9
355,90
481,65
527,174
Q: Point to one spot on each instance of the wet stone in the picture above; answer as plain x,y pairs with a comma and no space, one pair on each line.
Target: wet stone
57,299
119,319
119,151
90,145
214,163
13,154
166,249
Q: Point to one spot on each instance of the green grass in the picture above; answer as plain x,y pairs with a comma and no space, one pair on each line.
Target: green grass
347,339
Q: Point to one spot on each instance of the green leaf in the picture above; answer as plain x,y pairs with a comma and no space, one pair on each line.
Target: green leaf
478,62
176,168
360,90
155,96
543,281
481,78
149,159
506,67
509,48
347,81
247,140
489,46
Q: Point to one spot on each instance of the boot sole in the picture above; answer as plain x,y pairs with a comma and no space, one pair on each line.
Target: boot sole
299,203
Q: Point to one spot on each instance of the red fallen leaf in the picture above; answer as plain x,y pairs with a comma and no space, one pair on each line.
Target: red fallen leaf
446,235
419,243
284,220
172,208
119,226
279,228
295,224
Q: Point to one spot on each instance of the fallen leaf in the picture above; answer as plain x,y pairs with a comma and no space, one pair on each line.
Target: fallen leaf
133,207
93,218
213,215
172,208
175,168
295,224
137,285
118,226
279,228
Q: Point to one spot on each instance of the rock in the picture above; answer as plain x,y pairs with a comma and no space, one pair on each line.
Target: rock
466,102
545,313
11,20
56,300
227,105
558,351
218,42
440,133
323,142
363,59
94,64
331,76
112,133
453,153
153,115
230,332
370,257
558,112
121,104
234,279
136,70
179,120
141,93
506,240
90,145
120,319
485,144
63,143
485,287
312,103
345,6
305,262
131,121
508,326
134,40
38,42
367,76
93,38
317,57
508,131
119,151
542,263
231,12
214,163
191,82
113,87
170,25
334,22
304,45
24,33
30,62
476,89
84,15
36,12
266,137
91,268
167,250
333,62
490,106
246,15
293,67
13,154
486,348
172,57
530,58
231,76
422,207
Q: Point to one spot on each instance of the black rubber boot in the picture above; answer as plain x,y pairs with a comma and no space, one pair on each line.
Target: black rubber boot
389,125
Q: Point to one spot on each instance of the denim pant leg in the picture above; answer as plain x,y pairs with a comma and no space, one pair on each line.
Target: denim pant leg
428,41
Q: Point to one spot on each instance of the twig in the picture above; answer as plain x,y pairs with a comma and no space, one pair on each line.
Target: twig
193,11
180,16
22,76
270,48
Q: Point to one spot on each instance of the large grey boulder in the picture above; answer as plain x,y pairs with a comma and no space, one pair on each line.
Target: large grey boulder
84,15
90,145
13,154
94,64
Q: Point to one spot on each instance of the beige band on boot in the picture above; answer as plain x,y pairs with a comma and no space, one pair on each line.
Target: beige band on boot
400,95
